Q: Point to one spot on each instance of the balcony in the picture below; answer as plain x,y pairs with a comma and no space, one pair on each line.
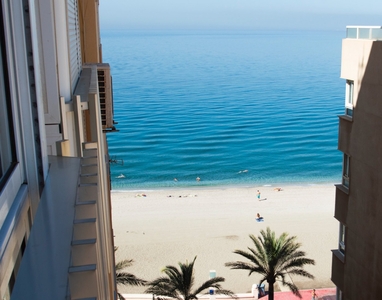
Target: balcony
342,203
344,133
364,32
338,264
43,273
70,252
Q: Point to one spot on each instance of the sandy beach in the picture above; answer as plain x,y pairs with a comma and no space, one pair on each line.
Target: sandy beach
162,227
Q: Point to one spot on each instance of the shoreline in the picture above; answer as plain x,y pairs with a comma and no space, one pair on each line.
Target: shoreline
157,230
224,186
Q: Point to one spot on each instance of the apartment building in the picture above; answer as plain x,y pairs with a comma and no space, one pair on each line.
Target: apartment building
56,239
357,263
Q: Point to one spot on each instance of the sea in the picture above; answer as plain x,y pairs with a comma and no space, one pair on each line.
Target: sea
233,108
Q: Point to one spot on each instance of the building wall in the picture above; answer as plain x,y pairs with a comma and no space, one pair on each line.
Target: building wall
89,23
360,138
9,263
38,77
20,182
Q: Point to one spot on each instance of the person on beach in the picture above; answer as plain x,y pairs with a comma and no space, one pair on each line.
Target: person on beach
314,295
258,194
259,218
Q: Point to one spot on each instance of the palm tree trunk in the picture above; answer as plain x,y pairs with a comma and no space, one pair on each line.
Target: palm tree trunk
270,291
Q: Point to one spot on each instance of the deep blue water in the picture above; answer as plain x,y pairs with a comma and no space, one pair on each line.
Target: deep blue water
211,105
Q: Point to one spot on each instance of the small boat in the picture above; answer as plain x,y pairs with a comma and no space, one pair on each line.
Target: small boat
121,176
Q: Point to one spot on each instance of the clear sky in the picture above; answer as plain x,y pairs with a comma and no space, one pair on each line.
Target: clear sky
238,14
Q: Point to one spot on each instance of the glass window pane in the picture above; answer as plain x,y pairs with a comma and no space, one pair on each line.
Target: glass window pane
364,33
349,95
345,171
341,243
351,33
376,33
7,148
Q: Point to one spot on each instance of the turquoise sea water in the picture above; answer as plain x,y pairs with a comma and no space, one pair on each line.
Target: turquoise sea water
233,108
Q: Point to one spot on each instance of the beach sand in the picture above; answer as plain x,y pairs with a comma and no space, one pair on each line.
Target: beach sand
156,230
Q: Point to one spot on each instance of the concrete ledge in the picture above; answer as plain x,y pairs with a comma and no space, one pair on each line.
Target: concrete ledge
85,268
84,242
90,220
84,254
43,272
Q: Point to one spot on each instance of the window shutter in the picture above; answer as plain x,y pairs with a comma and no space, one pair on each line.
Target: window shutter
74,42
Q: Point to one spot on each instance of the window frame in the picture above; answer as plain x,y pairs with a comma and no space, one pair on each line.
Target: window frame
342,239
7,114
24,169
338,294
349,98
346,171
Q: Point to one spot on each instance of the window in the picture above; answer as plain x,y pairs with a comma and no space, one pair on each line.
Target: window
341,242
339,294
349,112
74,41
349,98
7,144
345,171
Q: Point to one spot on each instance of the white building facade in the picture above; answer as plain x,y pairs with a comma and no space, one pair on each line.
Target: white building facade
56,238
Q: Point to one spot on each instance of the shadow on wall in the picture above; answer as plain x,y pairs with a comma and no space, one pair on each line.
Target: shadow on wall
361,139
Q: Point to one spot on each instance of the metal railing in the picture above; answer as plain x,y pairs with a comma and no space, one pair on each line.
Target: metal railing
364,32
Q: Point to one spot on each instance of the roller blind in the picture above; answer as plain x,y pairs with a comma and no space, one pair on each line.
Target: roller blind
74,42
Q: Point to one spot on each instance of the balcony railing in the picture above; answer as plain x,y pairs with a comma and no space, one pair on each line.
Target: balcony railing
364,32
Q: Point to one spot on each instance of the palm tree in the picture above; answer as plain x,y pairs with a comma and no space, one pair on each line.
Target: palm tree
124,278
274,258
178,283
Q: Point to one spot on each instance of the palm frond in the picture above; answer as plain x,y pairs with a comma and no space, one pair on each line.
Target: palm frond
123,264
162,287
120,297
124,278
293,288
178,283
211,283
214,283
300,272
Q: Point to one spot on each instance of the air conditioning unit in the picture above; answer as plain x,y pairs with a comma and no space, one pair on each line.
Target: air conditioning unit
105,89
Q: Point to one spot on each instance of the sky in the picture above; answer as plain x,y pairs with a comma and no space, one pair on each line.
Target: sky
238,14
